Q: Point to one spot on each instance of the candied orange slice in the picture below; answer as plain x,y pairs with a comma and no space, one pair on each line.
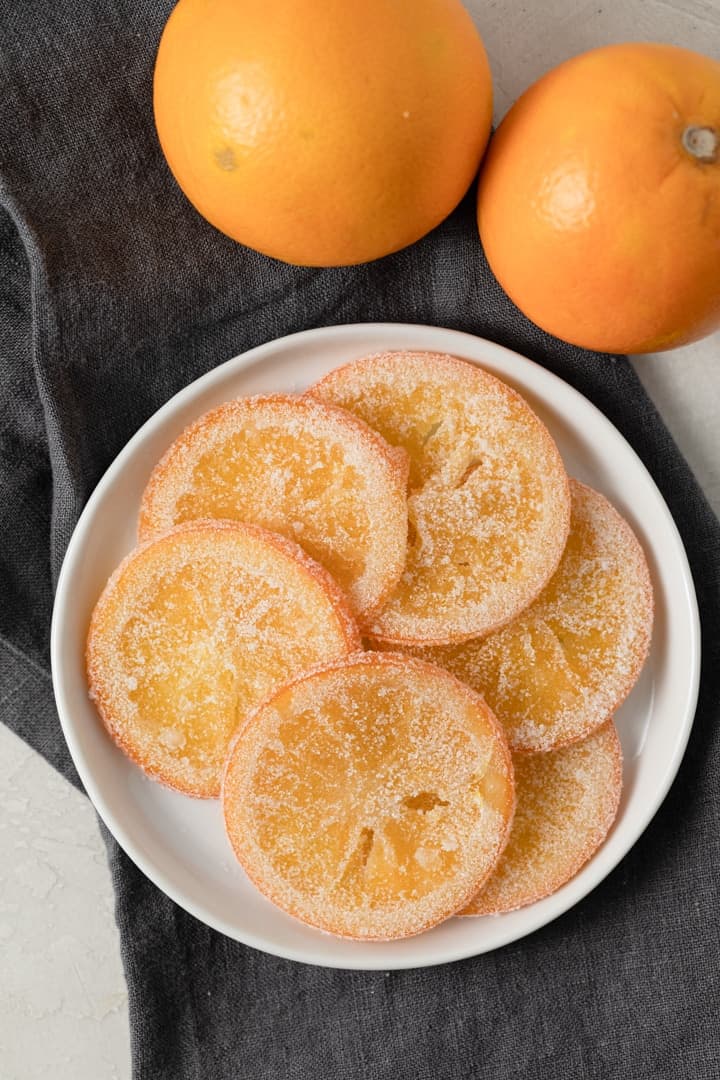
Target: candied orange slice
193,630
488,506
370,797
309,471
566,664
566,802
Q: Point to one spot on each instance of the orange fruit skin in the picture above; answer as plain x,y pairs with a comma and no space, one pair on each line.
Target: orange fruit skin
598,223
323,133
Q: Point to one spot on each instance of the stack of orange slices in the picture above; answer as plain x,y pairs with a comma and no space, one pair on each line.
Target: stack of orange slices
465,760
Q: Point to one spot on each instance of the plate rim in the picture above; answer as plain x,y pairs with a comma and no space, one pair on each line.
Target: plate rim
237,363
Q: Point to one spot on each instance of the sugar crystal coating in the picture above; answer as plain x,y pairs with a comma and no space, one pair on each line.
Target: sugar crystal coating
566,802
309,471
368,797
488,505
193,630
566,664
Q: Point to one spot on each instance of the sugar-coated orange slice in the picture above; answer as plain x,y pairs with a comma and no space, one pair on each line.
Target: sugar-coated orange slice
566,664
489,507
193,630
309,471
370,798
566,802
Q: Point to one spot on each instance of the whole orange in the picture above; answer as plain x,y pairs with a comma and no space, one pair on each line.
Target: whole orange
323,132
599,202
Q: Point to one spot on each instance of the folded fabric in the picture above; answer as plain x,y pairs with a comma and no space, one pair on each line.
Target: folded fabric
114,294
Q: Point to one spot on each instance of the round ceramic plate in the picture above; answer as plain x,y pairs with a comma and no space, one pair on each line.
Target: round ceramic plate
180,842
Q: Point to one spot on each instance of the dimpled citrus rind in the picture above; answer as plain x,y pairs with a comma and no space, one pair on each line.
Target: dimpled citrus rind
567,801
488,504
307,470
567,663
370,798
193,630
278,142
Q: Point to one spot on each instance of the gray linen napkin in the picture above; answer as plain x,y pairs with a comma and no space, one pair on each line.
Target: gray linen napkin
113,295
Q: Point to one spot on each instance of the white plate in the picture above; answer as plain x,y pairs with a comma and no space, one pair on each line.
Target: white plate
180,842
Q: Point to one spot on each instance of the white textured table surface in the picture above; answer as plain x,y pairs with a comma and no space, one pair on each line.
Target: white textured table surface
63,1002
